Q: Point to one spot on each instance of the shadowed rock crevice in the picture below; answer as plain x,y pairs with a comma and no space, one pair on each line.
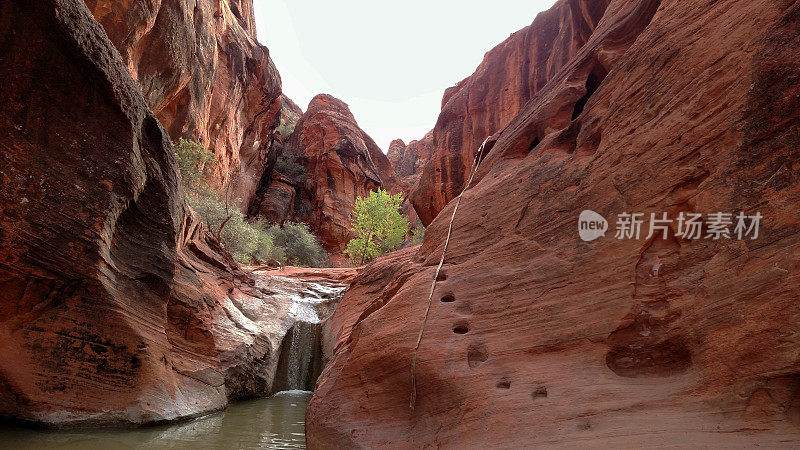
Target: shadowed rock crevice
593,81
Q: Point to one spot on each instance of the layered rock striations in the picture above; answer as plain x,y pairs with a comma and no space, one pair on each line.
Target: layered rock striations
325,165
206,78
115,305
409,160
482,104
536,337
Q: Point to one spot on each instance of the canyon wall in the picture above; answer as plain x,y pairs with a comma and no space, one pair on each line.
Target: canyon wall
538,338
409,160
325,165
483,103
116,307
206,78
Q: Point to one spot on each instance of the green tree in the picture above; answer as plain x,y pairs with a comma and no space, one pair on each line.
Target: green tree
195,164
379,225
417,235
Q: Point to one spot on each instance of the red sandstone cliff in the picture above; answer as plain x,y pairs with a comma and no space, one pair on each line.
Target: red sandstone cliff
409,160
205,76
115,305
327,162
536,338
482,104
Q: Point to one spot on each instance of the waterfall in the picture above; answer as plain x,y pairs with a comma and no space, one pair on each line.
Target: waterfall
300,361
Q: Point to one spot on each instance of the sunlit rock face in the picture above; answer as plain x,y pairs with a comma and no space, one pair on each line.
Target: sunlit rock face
482,104
206,78
537,338
116,307
336,163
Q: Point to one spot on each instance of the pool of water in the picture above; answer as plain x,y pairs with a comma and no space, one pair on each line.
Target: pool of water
277,422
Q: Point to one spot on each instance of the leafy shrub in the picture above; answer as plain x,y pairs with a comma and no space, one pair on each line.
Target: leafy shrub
286,128
194,163
300,247
379,225
288,121
417,234
246,241
288,166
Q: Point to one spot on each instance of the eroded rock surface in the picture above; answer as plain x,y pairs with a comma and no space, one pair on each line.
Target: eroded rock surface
328,162
409,160
536,338
483,103
205,76
115,305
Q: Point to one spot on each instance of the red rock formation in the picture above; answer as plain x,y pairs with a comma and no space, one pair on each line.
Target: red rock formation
205,76
536,338
409,160
115,305
290,109
482,104
329,162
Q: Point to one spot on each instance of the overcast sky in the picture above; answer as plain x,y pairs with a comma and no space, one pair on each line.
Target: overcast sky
390,61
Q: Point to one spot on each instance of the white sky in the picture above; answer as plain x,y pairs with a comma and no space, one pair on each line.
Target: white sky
389,61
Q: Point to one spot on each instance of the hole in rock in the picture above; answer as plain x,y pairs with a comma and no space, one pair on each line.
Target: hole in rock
484,151
539,392
477,354
534,144
441,277
593,81
461,328
504,383
448,298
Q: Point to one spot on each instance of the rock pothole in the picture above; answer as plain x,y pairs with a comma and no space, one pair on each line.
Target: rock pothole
539,392
477,354
461,327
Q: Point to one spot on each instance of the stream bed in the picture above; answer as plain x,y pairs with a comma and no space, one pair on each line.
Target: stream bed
277,422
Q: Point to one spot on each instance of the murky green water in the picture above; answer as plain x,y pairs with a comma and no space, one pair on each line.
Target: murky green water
277,422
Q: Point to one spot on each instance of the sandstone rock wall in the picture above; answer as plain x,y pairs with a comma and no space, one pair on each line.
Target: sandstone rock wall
115,305
536,338
409,160
482,104
335,162
205,76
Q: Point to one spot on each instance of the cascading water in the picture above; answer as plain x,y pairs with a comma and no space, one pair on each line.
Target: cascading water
300,360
